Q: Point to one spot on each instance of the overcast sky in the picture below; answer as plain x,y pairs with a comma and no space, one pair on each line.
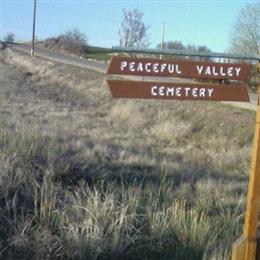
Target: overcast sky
192,22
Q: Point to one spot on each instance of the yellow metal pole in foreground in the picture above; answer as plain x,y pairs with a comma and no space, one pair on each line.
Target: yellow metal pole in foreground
253,196
245,247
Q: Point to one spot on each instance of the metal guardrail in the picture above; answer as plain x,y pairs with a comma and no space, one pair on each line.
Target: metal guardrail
187,53
178,53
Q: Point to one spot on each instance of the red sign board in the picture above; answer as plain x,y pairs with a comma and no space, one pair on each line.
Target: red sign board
178,91
181,69
178,68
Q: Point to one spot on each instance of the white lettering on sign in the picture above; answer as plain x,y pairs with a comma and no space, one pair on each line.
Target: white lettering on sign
178,92
146,67
210,90
131,67
181,91
161,91
207,71
163,67
123,65
140,67
237,71
153,91
230,71
150,67
212,70
202,92
187,90
221,72
194,92
169,92
155,67
199,69
175,69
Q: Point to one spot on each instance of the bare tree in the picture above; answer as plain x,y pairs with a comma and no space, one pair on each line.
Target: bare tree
10,37
133,32
73,41
245,36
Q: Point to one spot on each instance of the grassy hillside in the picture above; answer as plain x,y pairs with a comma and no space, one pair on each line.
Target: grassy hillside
85,176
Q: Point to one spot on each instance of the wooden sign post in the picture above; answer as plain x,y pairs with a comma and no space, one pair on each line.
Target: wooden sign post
245,247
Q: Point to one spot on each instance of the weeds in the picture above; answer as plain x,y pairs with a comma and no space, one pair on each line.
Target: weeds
98,179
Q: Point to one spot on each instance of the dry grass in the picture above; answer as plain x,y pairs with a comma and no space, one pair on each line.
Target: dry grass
83,176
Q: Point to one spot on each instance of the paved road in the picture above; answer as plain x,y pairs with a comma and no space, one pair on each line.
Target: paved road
61,57
100,67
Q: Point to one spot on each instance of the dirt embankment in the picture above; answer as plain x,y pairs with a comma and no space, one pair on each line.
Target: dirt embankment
48,69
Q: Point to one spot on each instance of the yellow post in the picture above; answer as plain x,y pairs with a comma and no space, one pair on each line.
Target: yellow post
245,247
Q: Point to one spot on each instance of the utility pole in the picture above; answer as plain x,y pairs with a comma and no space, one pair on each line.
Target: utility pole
162,42
33,30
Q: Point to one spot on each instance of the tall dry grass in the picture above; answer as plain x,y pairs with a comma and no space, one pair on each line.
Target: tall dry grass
83,176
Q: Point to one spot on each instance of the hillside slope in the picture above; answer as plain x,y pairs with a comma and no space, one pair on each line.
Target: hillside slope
85,176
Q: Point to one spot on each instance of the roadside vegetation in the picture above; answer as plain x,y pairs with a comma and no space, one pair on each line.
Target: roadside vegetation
85,176
9,37
75,42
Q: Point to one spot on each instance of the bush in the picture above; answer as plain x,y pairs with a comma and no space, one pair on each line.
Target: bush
73,41
10,37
